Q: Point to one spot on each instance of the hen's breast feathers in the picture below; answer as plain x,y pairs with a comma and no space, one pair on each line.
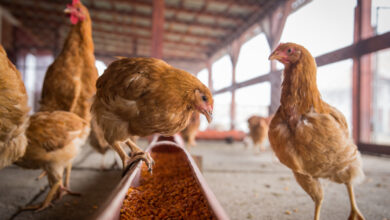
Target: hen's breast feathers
319,140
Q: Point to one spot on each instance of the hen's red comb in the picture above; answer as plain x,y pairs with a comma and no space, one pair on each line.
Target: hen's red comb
75,2
278,46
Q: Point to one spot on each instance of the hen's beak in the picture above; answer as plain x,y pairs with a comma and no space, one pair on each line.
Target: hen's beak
209,116
67,11
274,55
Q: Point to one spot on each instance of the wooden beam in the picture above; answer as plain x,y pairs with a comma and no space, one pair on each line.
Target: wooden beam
102,53
121,43
17,5
125,36
258,16
358,49
234,52
157,28
372,44
253,81
273,28
210,74
102,24
362,76
374,148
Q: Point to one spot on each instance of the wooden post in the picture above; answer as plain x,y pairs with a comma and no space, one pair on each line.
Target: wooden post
234,52
158,28
135,46
362,76
210,74
273,31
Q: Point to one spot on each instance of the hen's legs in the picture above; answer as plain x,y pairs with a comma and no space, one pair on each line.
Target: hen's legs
355,213
312,187
122,154
138,154
47,202
64,189
43,174
67,177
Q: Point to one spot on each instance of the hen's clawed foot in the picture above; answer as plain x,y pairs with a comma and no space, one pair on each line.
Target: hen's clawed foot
65,191
137,156
37,207
356,215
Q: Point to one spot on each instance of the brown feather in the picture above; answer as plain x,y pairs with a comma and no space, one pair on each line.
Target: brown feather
258,129
13,112
69,83
54,139
142,96
307,134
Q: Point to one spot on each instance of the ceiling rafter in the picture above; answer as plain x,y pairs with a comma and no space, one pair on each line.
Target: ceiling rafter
248,4
30,22
231,17
46,17
124,40
255,18
134,15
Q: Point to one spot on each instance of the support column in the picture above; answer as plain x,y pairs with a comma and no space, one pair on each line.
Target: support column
234,52
135,46
362,76
158,28
273,30
210,74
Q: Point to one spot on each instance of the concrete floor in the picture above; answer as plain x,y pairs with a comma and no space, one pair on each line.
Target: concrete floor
248,185
255,186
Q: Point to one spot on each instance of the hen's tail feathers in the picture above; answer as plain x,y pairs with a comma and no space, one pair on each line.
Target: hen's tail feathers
353,173
357,170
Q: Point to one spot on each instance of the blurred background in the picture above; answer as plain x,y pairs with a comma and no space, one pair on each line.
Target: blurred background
226,45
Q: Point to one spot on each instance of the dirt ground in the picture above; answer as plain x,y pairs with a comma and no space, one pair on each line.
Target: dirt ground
248,185
256,186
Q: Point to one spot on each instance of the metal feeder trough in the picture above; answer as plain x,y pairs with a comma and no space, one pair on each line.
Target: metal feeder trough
111,208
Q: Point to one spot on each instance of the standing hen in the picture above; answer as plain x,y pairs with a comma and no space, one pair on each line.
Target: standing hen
54,139
308,135
143,96
189,133
13,112
69,83
258,130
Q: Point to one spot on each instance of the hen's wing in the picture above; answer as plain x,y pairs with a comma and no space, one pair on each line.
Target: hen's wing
127,78
54,130
339,117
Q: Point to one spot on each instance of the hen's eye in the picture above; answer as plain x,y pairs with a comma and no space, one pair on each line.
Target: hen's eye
204,98
289,50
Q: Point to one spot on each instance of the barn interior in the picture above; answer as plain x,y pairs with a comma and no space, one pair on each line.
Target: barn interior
225,44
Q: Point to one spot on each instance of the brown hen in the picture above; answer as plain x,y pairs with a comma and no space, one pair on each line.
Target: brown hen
308,135
258,130
143,96
54,139
13,112
189,133
69,83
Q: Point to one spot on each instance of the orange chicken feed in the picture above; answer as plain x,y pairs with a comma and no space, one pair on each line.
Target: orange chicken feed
171,192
